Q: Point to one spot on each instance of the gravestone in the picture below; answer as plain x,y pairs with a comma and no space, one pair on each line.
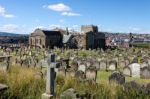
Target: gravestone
127,71
132,85
117,77
5,64
145,73
135,69
82,67
112,65
91,73
103,65
80,74
3,88
97,65
69,94
88,64
147,88
144,64
50,79
122,64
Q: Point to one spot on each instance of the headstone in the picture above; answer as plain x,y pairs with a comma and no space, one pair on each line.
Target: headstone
91,73
50,79
122,64
132,85
135,69
80,74
112,65
97,65
103,65
117,77
82,67
69,94
147,89
127,71
145,73
3,88
144,64
5,64
88,64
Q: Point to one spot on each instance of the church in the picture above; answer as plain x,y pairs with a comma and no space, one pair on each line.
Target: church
89,38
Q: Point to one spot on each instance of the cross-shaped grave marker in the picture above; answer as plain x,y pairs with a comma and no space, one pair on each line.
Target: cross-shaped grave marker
50,79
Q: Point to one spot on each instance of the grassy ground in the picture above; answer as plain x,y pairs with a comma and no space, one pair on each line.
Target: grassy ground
103,76
24,85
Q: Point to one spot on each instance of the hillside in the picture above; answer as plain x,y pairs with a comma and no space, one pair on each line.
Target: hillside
2,34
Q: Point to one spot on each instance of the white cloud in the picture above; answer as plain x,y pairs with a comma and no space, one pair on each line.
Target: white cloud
39,27
70,14
138,30
13,28
60,7
9,28
53,26
3,13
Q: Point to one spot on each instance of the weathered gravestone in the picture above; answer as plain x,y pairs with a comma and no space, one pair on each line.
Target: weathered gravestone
91,73
122,64
5,64
3,88
132,85
112,65
80,75
144,64
96,64
50,79
145,73
127,71
69,94
82,67
103,65
117,77
88,63
147,88
135,69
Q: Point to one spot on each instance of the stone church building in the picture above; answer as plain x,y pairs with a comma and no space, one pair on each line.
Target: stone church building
89,38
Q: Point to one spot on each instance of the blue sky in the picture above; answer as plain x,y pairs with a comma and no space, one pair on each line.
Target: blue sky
23,16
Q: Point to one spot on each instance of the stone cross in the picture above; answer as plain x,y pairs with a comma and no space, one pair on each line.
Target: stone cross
50,79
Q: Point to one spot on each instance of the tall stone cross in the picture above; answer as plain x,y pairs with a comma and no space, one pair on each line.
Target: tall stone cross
50,79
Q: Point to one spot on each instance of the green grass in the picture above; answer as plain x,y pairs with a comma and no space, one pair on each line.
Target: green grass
22,83
102,76
141,45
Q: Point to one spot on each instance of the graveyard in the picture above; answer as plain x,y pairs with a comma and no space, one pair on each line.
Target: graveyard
30,73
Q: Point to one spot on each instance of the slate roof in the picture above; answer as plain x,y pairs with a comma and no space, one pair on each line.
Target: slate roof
48,32
66,38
